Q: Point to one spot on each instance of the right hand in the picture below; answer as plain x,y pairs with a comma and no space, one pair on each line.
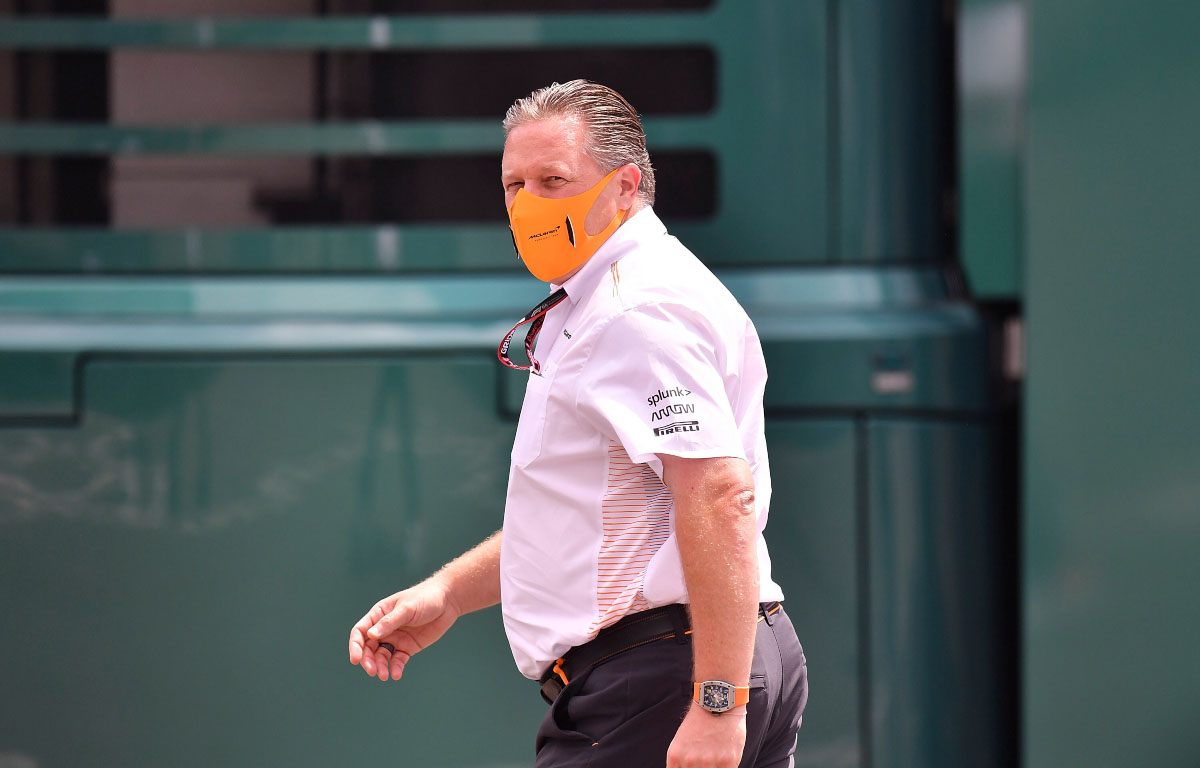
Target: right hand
410,620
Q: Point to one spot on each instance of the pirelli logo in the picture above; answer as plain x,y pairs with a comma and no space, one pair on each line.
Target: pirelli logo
678,426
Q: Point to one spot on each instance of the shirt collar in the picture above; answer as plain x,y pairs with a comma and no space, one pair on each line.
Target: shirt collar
642,225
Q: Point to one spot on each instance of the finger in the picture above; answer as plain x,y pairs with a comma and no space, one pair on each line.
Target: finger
368,659
358,633
370,617
397,662
382,658
400,616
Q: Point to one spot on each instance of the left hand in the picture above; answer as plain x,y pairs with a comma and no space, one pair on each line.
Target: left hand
705,740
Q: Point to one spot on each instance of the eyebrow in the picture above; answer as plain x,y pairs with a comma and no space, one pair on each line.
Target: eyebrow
554,169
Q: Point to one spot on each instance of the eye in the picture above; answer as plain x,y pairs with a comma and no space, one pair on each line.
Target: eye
514,185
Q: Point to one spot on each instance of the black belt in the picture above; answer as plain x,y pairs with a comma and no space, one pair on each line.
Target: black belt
633,631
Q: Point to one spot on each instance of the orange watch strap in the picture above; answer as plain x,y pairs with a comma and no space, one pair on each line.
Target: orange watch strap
741,694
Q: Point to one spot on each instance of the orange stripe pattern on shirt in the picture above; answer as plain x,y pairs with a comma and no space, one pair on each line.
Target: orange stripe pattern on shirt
636,511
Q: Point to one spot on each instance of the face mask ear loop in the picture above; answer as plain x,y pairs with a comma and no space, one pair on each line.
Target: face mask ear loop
607,232
595,192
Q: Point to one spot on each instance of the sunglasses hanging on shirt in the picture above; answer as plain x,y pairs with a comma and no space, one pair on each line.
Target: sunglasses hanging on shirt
537,316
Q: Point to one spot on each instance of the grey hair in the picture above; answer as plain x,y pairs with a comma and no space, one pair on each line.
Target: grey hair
613,130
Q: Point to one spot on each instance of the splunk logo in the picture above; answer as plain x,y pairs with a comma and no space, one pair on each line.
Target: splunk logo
678,426
661,395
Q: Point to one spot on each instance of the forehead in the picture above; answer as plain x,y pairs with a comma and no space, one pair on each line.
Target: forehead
550,142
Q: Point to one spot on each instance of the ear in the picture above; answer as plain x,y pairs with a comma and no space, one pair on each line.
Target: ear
628,178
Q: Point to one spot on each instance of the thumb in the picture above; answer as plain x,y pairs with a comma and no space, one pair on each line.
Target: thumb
404,613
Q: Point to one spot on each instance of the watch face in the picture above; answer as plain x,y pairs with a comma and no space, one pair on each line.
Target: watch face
716,697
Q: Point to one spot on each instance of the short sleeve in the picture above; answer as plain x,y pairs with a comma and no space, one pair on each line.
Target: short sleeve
654,382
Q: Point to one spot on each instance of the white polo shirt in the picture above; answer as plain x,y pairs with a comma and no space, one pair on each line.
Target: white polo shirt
648,354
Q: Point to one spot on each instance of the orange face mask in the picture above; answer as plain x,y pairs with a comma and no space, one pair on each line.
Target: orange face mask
549,232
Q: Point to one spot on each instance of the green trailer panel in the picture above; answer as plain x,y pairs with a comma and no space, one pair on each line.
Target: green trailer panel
1111,529
813,533
940,653
992,66
183,567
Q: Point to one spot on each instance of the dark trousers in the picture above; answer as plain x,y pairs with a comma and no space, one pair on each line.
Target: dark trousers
625,712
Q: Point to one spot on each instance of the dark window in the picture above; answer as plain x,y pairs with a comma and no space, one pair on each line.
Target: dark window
687,184
353,190
80,86
82,190
58,86
656,81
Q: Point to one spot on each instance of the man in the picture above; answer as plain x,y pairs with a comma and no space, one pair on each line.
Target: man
633,575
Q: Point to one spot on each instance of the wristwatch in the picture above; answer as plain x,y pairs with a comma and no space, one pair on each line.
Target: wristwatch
718,696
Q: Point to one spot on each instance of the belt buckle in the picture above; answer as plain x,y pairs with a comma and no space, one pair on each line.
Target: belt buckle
554,681
551,687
